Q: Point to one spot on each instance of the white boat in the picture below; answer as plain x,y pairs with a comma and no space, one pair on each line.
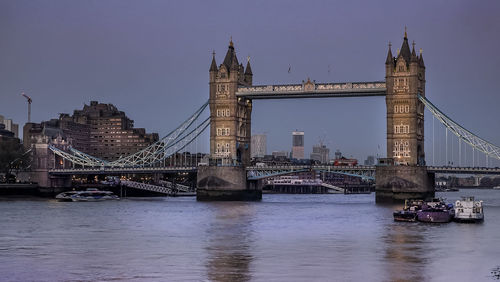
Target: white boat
497,187
90,195
468,210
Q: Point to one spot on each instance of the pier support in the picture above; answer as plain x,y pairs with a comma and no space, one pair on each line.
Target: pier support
396,183
226,183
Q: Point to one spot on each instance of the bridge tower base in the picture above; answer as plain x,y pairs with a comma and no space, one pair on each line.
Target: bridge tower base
226,183
397,183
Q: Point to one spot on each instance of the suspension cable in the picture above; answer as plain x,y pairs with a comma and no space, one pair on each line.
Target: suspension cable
468,137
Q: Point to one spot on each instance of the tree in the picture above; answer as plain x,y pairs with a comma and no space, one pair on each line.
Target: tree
12,156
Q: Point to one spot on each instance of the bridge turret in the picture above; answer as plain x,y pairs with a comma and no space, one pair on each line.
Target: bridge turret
248,73
405,50
213,68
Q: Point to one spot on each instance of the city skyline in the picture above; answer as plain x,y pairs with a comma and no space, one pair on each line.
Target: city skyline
153,63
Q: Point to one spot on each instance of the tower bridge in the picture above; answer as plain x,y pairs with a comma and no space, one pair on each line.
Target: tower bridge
228,174
230,100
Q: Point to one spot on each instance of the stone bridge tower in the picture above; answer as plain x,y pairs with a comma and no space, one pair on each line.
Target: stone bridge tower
405,176
230,117
405,79
230,134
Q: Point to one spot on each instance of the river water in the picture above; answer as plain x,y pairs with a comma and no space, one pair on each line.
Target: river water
281,238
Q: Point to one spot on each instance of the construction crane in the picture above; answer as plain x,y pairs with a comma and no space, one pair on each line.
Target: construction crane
29,105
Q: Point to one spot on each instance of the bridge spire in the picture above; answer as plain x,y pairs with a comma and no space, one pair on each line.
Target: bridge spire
248,69
421,59
405,49
230,58
414,57
213,66
390,58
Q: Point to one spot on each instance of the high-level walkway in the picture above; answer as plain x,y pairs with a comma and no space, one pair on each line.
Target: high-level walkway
313,90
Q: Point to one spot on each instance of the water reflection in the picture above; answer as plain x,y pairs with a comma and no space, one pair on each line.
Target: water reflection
405,252
229,241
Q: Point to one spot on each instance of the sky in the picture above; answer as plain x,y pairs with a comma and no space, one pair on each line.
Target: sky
151,60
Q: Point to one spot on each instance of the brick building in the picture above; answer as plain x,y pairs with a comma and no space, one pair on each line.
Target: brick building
100,130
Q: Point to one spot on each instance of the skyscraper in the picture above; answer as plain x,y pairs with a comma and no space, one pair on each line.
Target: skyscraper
259,146
298,145
320,153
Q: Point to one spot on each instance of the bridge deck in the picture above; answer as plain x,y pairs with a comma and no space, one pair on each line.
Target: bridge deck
122,170
313,90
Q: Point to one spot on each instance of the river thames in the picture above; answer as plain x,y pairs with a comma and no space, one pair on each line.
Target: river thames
281,238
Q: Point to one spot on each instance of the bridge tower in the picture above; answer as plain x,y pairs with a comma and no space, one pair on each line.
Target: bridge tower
230,133
405,79
406,176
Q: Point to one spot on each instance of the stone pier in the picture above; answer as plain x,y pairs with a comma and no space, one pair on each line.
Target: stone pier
397,183
226,183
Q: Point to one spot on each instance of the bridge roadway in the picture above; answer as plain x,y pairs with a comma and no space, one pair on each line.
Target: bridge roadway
313,90
122,170
270,170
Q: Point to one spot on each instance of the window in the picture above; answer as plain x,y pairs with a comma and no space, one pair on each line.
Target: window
401,129
223,131
401,149
222,112
407,109
227,147
396,109
222,89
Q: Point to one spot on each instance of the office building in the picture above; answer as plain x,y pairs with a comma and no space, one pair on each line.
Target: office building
298,145
259,146
370,160
320,154
10,126
100,130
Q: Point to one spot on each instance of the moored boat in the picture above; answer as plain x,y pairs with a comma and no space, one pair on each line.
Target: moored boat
468,210
89,195
436,211
409,212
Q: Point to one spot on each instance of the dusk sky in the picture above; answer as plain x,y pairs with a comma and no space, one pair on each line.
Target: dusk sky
151,60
